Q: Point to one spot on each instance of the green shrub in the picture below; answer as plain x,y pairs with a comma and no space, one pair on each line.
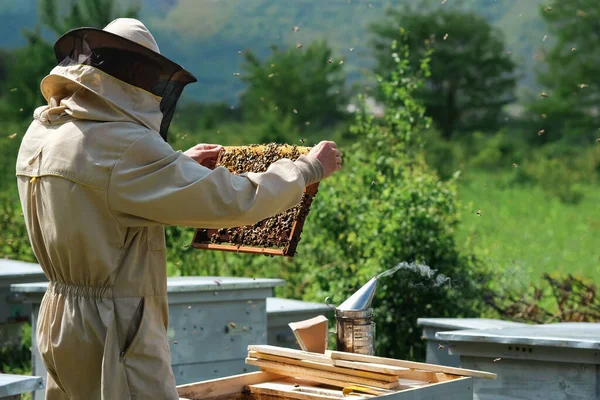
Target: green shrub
385,207
561,170
554,176
16,358
14,242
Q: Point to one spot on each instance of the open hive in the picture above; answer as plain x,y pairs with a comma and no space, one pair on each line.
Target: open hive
294,374
278,235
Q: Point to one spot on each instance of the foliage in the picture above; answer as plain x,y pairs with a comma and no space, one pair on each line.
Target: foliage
14,242
561,170
20,92
61,17
557,299
569,76
293,88
472,77
523,231
16,358
385,208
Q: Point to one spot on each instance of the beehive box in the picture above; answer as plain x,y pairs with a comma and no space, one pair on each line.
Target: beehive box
294,374
275,236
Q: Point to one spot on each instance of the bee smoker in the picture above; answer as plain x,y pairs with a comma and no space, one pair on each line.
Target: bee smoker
355,328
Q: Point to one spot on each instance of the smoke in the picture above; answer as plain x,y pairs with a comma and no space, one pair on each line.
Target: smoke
435,279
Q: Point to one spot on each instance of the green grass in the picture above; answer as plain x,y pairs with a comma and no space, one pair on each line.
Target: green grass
526,232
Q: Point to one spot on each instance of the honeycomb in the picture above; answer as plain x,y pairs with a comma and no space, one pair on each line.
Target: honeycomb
278,232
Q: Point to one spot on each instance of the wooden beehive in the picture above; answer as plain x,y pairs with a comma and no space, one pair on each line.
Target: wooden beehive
294,374
275,236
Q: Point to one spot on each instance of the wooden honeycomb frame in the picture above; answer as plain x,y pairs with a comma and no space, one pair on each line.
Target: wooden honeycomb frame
202,236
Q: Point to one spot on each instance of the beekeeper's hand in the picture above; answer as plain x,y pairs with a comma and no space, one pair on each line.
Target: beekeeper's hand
329,156
205,154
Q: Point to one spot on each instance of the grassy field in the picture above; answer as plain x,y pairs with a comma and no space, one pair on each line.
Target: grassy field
525,232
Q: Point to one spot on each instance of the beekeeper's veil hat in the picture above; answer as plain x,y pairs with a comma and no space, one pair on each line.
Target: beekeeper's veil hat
126,50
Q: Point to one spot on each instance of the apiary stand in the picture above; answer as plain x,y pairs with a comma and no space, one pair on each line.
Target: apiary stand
553,361
437,354
13,386
212,320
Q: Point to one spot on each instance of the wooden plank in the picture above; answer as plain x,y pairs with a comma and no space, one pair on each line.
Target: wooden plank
323,367
290,353
339,355
309,373
291,390
426,376
299,222
223,386
258,149
238,249
325,359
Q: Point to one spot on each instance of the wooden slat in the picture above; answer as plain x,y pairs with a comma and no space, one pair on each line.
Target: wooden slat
312,374
260,148
291,390
323,367
325,359
290,353
224,386
239,249
339,355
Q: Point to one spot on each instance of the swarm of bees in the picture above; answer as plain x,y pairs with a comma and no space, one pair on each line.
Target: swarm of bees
274,232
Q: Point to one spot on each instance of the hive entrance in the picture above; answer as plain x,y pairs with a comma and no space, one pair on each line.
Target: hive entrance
277,235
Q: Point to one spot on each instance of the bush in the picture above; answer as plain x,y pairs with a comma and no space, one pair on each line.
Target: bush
385,207
301,84
562,171
16,358
388,207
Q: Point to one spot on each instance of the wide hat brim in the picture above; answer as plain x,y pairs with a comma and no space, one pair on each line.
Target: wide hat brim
98,39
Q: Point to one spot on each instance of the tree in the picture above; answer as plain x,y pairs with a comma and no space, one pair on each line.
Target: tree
92,13
303,85
472,77
29,64
569,106
387,207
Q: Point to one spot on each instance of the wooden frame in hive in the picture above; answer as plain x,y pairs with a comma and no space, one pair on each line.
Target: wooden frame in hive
274,243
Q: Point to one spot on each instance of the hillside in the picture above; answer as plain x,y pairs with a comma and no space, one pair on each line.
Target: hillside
205,36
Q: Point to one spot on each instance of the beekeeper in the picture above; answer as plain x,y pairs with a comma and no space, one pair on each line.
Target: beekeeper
98,182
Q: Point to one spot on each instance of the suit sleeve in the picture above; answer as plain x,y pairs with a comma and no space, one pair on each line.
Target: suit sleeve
153,184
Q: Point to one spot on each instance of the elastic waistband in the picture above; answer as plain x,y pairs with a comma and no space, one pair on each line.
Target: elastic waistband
96,292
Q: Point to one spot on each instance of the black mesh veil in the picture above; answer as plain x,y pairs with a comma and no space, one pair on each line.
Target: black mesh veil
129,62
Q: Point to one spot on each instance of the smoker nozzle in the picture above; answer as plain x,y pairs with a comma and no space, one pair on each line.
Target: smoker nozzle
362,298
